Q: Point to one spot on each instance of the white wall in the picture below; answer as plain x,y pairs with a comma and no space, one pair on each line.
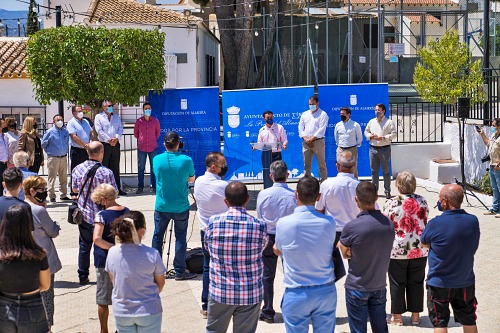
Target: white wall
415,157
181,40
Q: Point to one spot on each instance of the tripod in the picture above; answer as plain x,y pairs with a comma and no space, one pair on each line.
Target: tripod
465,186
171,222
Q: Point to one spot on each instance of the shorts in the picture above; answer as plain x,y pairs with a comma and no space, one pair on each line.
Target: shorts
104,287
463,302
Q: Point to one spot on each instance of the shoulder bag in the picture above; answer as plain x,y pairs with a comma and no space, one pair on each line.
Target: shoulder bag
75,215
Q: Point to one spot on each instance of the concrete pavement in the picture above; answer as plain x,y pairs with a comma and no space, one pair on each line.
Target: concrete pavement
76,311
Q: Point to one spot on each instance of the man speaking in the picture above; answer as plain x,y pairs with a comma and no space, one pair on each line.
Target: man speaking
173,172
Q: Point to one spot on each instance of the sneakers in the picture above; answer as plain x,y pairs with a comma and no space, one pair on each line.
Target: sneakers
204,314
491,212
185,276
266,319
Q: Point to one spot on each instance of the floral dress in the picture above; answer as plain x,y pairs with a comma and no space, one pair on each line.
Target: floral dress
409,215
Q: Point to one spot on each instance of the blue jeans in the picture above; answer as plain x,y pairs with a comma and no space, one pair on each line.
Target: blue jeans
180,228
495,188
141,160
362,305
316,304
23,315
206,273
144,324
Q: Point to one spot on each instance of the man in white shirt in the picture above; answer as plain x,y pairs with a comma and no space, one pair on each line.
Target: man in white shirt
275,135
109,128
380,131
348,136
209,195
312,127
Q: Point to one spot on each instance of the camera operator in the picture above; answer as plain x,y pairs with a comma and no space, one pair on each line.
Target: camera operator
493,144
173,172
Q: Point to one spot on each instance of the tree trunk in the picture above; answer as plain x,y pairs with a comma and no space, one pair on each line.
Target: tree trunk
268,49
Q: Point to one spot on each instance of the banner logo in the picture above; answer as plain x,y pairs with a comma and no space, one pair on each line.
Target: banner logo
233,117
184,104
354,99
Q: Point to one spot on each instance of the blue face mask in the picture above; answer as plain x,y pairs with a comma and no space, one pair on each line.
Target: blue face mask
110,109
147,112
269,121
493,129
440,208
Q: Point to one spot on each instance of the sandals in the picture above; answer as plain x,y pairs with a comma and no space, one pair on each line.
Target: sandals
395,320
415,319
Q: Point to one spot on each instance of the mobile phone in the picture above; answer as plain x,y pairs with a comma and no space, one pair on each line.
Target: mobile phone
478,128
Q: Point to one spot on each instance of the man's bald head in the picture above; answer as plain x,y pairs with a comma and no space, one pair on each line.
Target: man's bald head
453,194
345,161
95,150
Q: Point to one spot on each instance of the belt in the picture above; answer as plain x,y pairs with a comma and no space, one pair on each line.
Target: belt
348,147
375,147
315,286
73,147
20,296
60,156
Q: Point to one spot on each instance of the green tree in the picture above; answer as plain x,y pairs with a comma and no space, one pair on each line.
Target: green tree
446,72
84,65
32,18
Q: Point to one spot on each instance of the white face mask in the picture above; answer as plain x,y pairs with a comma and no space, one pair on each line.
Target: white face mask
312,107
80,115
59,124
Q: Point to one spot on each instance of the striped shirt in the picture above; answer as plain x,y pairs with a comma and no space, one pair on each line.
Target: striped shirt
235,241
102,176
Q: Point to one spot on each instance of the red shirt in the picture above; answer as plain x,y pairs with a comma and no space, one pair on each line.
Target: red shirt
147,133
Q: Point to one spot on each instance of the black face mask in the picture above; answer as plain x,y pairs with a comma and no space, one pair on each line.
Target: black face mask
35,126
223,171
343,118
40,196
14,126
5,130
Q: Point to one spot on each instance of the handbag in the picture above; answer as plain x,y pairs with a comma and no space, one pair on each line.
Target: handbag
194,260
75,215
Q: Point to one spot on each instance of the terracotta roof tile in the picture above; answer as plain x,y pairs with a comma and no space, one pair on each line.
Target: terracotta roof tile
130,11
13,57
418,18
405,2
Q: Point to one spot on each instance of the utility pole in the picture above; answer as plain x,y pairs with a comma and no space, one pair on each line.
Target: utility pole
60,104
486,58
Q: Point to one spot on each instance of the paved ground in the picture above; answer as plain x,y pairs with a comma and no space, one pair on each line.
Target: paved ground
76,310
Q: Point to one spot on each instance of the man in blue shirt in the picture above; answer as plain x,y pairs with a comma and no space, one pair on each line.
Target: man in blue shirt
109,128
305,242
173,172
367,242
453,239
55,142
348,136
273,203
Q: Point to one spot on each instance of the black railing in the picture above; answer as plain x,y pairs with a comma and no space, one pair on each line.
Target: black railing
417,121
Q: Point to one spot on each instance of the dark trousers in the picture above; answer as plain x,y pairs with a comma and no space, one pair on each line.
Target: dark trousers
111,160
268,157
77,156
270,262
406,278
206,273
86,233
3,167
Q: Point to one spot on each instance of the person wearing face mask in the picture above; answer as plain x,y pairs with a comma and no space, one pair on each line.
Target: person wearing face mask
348,136
274,134
109,128
209,196
312,128
147,132
493,144
29,141
88,207
12,136
452,239
79,133
104,196
380,131
55,142
4,151
272,204
45,230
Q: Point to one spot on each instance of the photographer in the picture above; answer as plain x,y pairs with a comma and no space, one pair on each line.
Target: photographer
173,172
493,144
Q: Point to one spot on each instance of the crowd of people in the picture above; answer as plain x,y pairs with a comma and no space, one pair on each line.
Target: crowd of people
314,229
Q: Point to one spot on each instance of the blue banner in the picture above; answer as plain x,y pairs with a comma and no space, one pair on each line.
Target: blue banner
361,99
194,114
242,118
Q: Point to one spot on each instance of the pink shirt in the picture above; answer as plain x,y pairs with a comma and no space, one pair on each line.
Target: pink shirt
147,134
274,134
